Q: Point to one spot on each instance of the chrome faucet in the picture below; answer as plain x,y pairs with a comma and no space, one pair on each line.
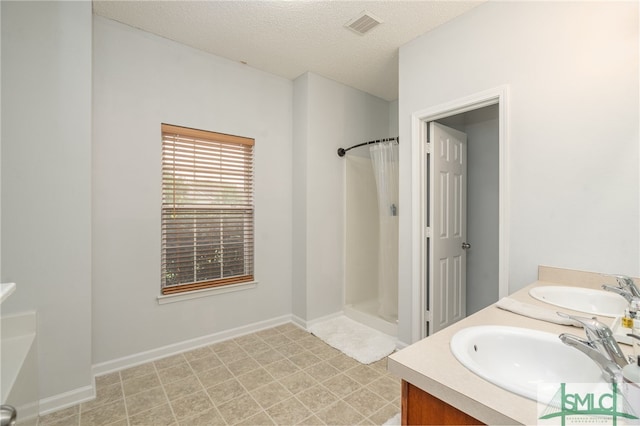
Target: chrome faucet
626,288
600,346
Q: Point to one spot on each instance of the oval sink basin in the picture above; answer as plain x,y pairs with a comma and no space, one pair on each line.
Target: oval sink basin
521,360
596,302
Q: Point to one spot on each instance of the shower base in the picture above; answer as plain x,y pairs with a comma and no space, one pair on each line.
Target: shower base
366,313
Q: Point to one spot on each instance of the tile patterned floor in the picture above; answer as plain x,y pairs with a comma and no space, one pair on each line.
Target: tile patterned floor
281,376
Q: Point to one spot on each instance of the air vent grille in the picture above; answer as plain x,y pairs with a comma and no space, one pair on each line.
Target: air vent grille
363,23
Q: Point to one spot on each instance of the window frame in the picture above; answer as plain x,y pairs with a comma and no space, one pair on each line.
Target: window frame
217,189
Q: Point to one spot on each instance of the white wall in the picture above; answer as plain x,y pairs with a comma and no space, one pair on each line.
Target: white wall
572,71
46,182
139,81
327,115
299,221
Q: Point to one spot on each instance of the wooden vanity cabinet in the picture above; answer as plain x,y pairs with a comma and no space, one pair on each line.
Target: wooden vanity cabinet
421,408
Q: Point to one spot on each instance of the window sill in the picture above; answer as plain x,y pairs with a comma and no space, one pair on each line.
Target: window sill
206,292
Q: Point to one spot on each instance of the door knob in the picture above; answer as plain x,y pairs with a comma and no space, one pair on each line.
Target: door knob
466,246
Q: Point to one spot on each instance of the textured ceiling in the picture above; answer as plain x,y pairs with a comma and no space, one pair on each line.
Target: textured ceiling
289,38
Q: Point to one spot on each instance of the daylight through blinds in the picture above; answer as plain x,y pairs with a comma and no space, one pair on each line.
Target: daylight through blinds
207,209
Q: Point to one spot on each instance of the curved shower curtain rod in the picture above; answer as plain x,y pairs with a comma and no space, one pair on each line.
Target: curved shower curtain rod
343,151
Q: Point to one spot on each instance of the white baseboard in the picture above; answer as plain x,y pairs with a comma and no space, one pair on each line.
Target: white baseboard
299,322
87,393
187,345
67,399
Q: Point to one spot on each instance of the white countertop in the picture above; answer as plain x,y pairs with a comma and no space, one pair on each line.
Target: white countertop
430,365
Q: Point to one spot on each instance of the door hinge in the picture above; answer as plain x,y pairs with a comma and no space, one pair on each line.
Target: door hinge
427,232
427,316
427,147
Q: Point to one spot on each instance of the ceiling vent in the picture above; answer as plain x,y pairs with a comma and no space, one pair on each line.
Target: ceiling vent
363,23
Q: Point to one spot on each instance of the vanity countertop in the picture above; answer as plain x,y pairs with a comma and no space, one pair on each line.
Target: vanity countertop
430,365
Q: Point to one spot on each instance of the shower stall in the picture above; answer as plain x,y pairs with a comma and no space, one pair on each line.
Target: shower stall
371,269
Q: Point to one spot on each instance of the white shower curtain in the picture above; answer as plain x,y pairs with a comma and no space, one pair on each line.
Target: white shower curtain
384,158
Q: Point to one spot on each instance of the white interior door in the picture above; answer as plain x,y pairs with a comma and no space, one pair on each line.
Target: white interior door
448,213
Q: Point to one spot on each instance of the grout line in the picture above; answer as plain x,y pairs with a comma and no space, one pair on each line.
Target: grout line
164,391
204,389
124,399
279,331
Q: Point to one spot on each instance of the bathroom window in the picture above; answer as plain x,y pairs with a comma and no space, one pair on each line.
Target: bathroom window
207,209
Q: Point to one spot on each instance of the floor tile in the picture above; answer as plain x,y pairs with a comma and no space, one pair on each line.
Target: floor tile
104,395
297,334
242,366
175,373
298,382
270,394
71,414
254,379
158,416
268,357
198,353
139,384
67,421
267,332
242,341
232,355
343,362
325,352
285,328
206,363
304,359
280,369
226,346
184,387
340,413
278,340
316,398
193,404
259,419
288,412
170,361
383,414
239,409
104,414
363,374
342,385
137,371
210,417
226,391
145,400
365,401
281,375
108,379
322,371
256,347
385,387
290,349
214,376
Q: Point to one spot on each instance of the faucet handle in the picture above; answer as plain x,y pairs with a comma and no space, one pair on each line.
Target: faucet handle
594,329
622,291
626,283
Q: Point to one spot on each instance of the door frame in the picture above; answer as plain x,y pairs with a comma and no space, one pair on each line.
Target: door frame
419,120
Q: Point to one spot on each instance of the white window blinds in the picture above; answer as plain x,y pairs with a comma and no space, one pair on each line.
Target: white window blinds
207,209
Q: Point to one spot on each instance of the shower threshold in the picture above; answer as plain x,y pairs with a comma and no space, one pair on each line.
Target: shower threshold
367,313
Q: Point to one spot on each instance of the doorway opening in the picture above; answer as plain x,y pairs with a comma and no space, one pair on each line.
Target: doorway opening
483,247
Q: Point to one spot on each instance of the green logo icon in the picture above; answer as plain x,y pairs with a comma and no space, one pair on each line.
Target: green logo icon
588,404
